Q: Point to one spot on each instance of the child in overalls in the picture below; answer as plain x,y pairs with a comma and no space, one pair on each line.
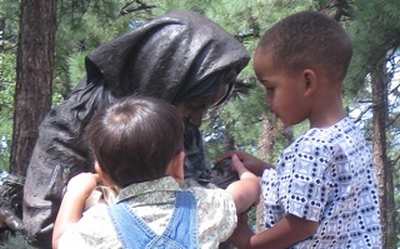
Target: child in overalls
138,146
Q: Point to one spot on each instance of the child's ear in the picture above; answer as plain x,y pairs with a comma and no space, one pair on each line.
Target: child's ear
175,167
97,168
104,178
310,81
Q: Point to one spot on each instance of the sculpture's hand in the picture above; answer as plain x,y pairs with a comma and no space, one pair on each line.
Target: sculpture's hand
10,220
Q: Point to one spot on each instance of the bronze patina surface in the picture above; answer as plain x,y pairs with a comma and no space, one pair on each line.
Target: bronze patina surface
175,57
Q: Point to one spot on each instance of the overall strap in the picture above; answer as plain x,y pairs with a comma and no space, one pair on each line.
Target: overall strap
132,231
183,224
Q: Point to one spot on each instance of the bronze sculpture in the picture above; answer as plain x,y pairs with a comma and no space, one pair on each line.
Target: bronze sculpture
179,57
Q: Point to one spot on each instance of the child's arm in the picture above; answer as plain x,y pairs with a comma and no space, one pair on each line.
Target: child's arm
246,191
253,164
288,231
78,190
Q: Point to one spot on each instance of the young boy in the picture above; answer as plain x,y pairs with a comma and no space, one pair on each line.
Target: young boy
322,193
138,147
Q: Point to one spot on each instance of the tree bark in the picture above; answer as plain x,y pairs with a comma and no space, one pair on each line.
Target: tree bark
266,144
35,63
383,167
269,132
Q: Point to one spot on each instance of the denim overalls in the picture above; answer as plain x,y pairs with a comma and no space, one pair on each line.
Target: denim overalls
180,233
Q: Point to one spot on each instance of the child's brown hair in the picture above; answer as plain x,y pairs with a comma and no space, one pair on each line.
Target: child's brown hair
135,139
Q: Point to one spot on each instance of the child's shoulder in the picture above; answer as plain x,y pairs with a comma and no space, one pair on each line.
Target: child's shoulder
206,193
97,213
313,141
329,140
330,135
216,212
91,229
211,197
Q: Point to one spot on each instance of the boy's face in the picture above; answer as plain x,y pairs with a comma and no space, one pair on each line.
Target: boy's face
285,93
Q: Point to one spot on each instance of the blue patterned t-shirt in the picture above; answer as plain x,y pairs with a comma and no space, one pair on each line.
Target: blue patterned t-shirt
327,176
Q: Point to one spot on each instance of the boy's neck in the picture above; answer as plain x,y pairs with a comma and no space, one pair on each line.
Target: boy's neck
327,111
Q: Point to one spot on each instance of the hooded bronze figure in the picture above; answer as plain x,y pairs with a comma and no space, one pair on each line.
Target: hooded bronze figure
177,57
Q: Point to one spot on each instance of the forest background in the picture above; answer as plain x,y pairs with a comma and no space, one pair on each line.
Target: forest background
43,44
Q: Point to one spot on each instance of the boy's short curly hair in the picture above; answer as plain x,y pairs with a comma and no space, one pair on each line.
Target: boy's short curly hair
135,139
309,39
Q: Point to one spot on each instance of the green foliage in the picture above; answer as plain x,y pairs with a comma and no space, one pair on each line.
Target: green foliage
243,116
375,29
76,66
9,13
80,31
9,10
7,88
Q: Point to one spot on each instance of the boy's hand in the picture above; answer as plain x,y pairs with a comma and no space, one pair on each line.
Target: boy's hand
82,185
246,191
251,163
78,190
242,171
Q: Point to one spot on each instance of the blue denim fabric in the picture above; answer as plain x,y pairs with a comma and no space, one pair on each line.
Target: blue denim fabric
181,232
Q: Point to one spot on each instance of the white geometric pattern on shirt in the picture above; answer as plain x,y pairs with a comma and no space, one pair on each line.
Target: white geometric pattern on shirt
327,176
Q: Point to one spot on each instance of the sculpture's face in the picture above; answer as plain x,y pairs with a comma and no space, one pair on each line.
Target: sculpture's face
194,110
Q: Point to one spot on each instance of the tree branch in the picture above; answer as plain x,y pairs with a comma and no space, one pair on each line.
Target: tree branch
358,119
396,160
394,89
243,36
341,9
393,120
139,5
365,101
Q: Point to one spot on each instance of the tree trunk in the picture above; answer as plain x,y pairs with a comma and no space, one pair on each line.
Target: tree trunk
265,147
267,139
35,62
383,167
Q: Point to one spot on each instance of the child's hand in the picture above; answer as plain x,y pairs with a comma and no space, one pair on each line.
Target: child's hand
78,190
82,185
250,162
238,166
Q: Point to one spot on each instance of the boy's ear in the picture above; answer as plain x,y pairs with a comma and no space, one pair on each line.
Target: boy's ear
176,166
97,168
310,81
104,178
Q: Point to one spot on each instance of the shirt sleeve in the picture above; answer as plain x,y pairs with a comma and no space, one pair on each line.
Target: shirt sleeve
93,230
303,181
72,239
217,215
